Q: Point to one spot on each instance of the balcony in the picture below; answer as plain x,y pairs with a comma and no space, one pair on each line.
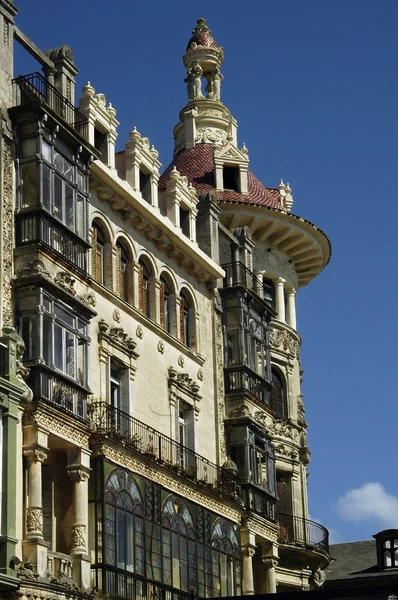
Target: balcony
258,500
241,379
121,584
162,450
302,532
238,274
38,227
59,392
34,88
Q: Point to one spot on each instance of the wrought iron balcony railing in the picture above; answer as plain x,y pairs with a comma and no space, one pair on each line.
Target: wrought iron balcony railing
238,274
32,88
159,448
59,392
297,530
240,379
38,227
121,584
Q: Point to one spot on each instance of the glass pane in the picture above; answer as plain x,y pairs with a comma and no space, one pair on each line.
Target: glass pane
28,173
69,207
46,150
64,316
70,353
387,558
129,542
58,348
28,148
81,362
121,548
63,166
58,196
46,195
81,180
47,339
80,229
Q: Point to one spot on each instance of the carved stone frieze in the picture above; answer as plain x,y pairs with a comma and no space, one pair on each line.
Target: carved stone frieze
153,474
63,426
286,451
284,340
36,267
7,237
283,265
240,411
116,336
183,387
285,430
66,282
260,526
78,536
220,385
34,520
211,135
88,299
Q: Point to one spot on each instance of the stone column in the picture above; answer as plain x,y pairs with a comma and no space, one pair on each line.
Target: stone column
270,577
192,224
291,307
248,552
280,299
79,474
34,514
34,546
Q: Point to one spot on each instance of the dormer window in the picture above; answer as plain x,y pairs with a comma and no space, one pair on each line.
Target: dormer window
145,186
387,549
231,178
101,144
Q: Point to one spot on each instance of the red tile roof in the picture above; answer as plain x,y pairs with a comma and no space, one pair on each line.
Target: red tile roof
203,38
197,164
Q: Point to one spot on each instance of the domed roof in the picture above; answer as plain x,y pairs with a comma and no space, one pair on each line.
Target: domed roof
201,35
197,164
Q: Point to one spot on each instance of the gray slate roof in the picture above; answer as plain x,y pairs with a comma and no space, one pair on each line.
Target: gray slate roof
354,560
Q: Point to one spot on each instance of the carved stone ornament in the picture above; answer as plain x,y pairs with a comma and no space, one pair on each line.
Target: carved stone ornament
281,338
139,332
65,281
78,536
78,473
36,267
283,265
211,135
283,429
200,375
116,315
161,347
319,577
34,520
239,411
36,454
7,225
181,361
21,371
88,299
116,336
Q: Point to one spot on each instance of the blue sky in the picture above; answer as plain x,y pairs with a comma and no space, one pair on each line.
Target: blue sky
314,88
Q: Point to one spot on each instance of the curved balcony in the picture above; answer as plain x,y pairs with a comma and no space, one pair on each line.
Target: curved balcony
302,532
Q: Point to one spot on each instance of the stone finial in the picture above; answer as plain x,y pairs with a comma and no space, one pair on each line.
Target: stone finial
110,110
174,174
88,90
244,150
288,198
135,135
154,152
201,25
282,186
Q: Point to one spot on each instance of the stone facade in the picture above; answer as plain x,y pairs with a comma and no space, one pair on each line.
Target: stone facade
161,440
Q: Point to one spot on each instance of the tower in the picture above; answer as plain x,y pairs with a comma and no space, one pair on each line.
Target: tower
267,253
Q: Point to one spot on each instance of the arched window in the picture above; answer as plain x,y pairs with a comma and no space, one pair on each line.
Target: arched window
98,253
278,396
122,280
165,305
187,321
226,560
179,545
124,524
145,289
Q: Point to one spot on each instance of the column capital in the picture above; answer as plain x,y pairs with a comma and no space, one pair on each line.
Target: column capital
78,473
291,292
269,561
35,454
248,550
280,281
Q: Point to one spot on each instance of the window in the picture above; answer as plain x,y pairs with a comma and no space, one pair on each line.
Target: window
145,289
231,178
145,185
124,524
278,396
58,182
184,221
165,305
269,291
122,275
53,334
387,548
187,321
178,545
225,560
98,251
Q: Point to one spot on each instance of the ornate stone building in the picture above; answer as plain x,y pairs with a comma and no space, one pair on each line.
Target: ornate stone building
158,442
